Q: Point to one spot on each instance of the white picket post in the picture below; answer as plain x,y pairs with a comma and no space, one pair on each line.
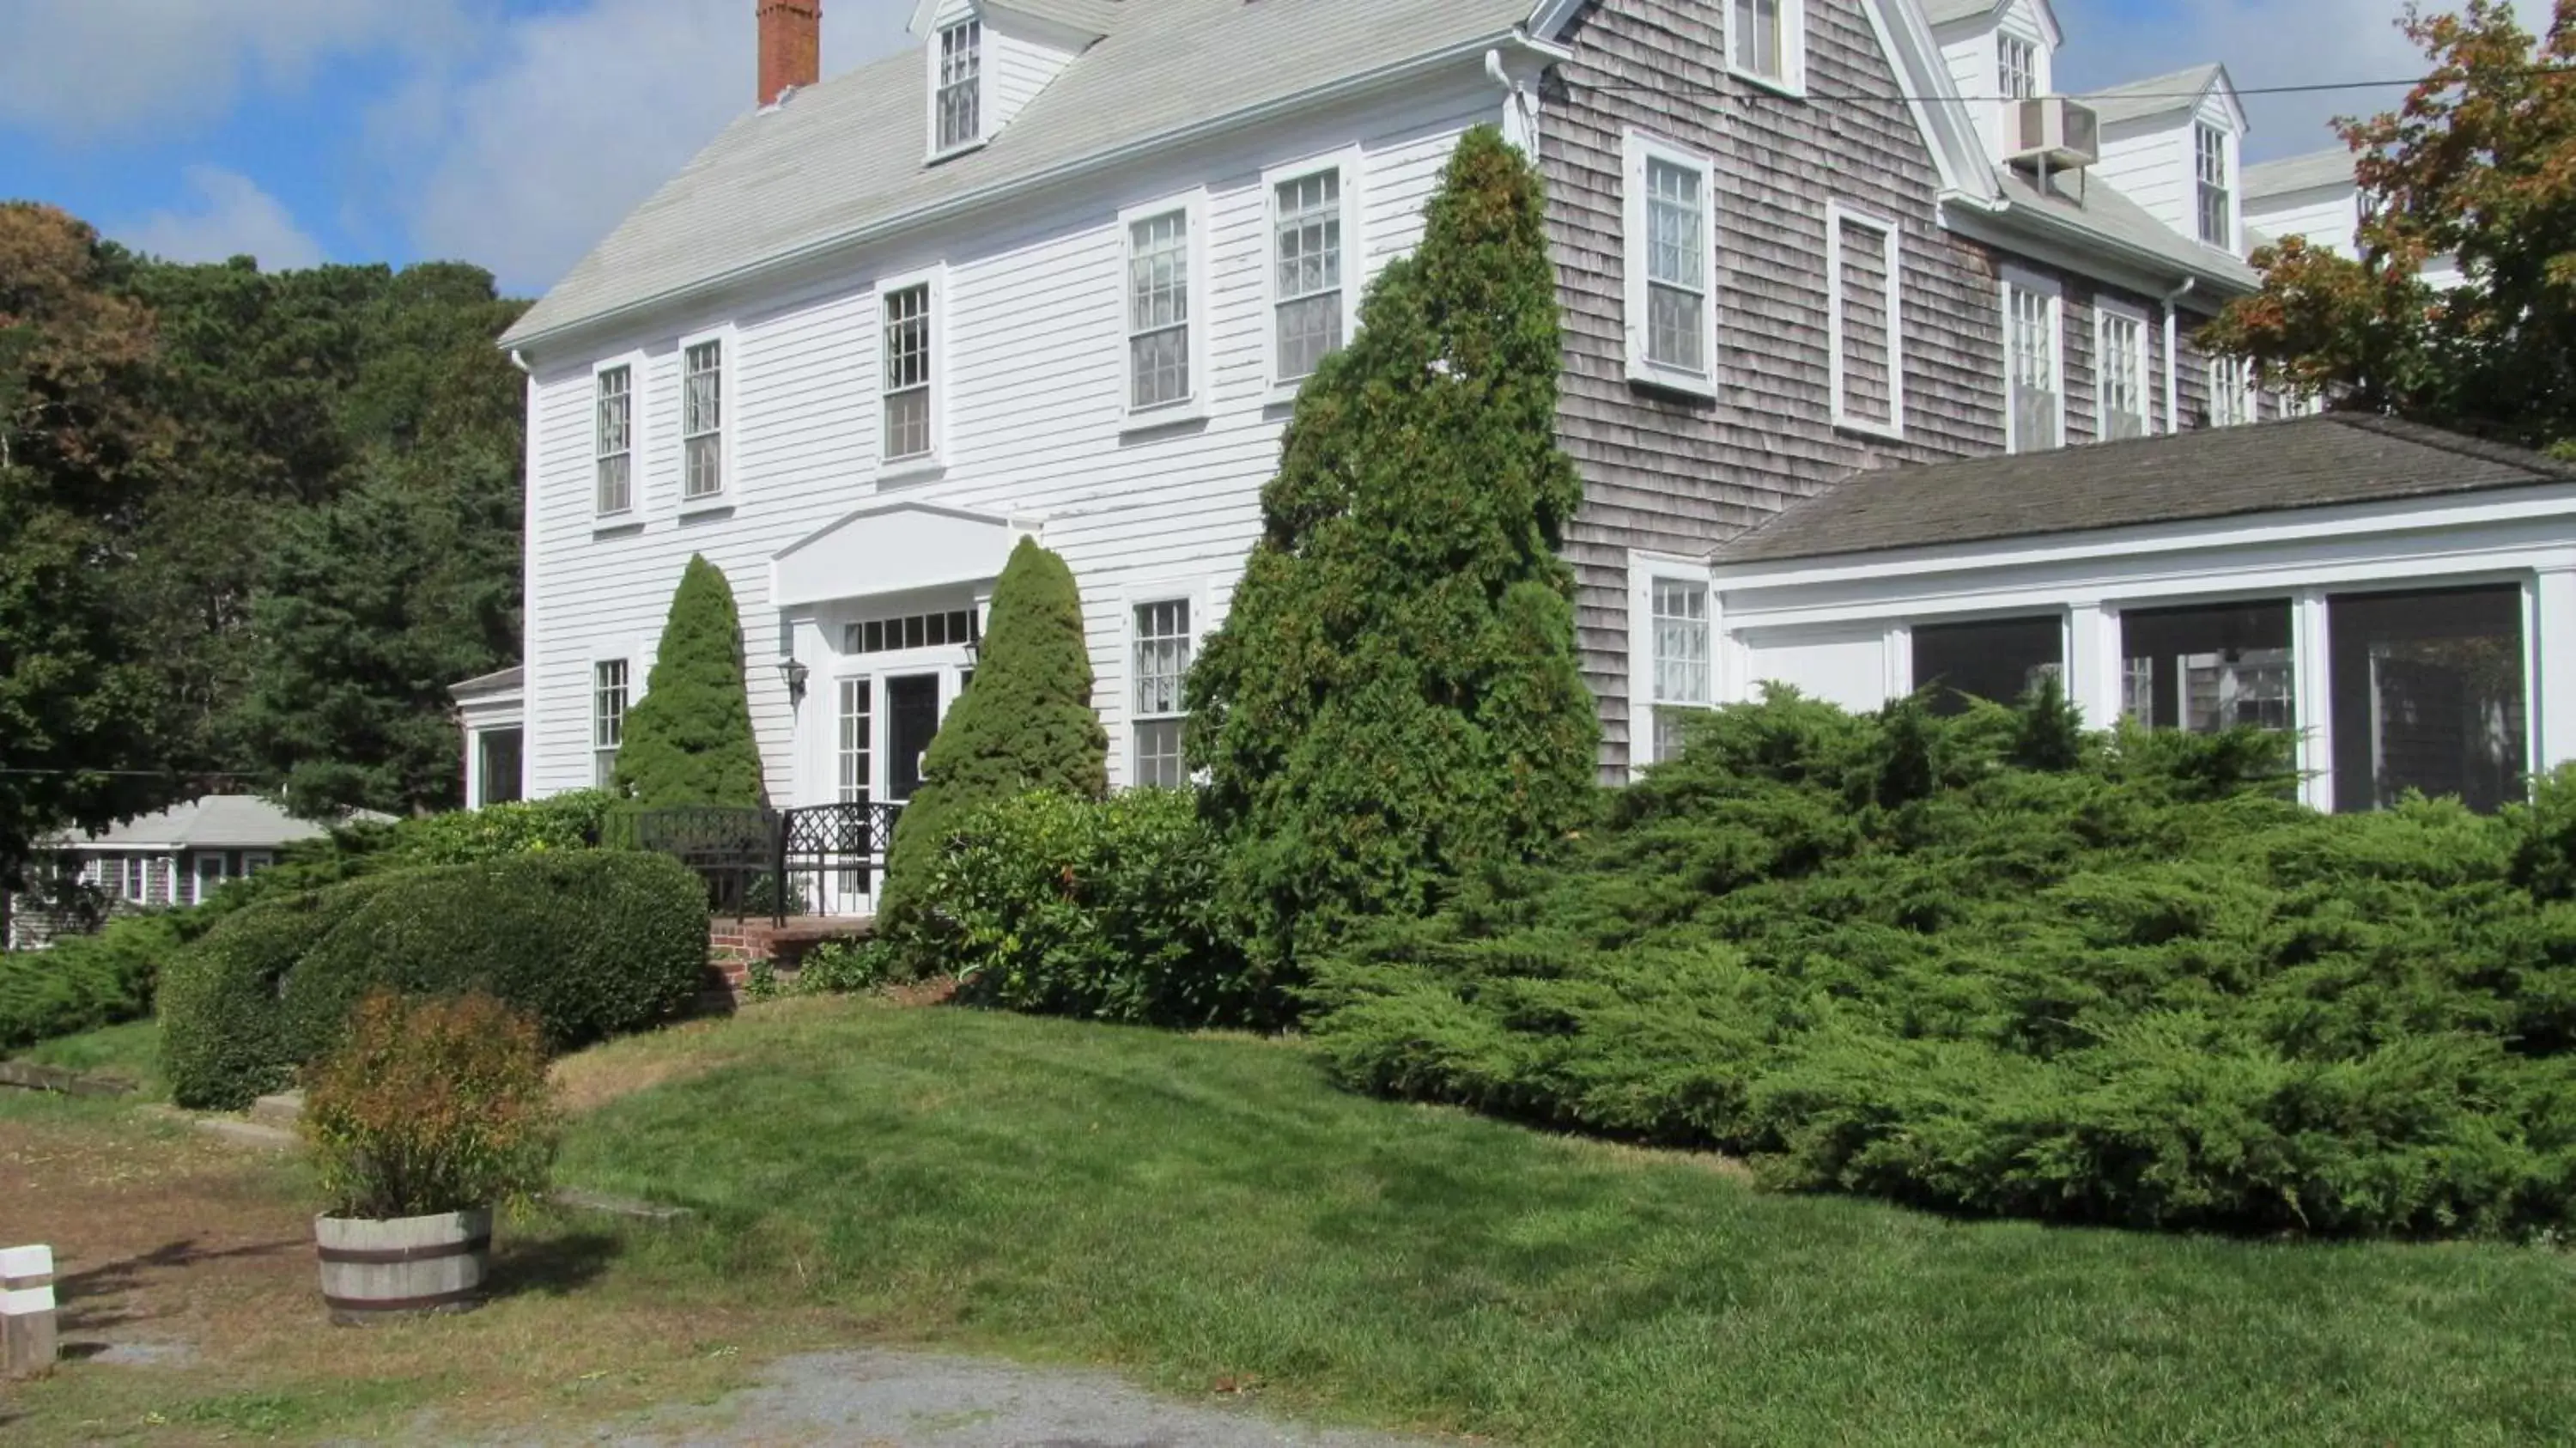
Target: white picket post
26,1309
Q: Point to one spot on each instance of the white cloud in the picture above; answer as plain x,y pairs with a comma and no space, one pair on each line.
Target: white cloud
85,69
524,159
231,217
2262,43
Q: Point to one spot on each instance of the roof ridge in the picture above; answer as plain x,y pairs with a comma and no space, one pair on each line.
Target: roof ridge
2512,455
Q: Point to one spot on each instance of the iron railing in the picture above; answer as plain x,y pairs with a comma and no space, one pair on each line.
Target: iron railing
824,860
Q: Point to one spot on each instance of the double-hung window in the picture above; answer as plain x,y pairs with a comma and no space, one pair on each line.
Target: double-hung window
1683,676
909,377
1162,662
1158,311
1307,283
2231,391
2017,67
607,719
1764,41
2209,165
958,105
702,419
2120,373
1864,322
613,440
1672,264
2033,367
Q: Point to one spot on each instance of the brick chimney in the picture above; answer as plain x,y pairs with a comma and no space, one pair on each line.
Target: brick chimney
791,45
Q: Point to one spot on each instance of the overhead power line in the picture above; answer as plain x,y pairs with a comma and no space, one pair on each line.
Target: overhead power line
1756,92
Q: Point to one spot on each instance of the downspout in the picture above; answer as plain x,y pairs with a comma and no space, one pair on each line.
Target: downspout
2173,357
1520,122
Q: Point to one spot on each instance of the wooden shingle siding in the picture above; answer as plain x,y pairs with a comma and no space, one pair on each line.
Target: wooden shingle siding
1680,475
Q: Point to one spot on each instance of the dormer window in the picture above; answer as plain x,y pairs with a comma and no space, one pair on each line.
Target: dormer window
2017,67
2209,151
958,107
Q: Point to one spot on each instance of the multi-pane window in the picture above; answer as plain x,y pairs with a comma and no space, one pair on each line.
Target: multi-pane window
2017,65
1760,46
1158,311
613,440
2120,374
2231,391
1306,243
912,631
2031,362
960,103
1162,662
907,373
1683,677
1863,322
702,420
1677,223
607,718
858,719
2209,153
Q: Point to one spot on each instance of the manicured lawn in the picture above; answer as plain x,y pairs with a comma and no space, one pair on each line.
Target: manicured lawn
1207,1211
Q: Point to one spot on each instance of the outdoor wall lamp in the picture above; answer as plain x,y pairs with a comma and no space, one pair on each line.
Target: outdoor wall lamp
795,673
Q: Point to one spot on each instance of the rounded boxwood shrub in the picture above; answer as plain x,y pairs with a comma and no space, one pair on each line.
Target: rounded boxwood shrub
83,982
591,943
1104,909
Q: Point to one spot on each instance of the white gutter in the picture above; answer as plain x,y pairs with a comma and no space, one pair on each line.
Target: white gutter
949,207
2003,210
2173,357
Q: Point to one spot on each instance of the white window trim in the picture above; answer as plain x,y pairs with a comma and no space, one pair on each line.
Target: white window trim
590,713
1193,205
1837,216
2015,279
934,462
1639,148
1189,588
1645,570
728,394
983,89
2104,310
1792,80
638,444
2228,166
2249,394
1352,163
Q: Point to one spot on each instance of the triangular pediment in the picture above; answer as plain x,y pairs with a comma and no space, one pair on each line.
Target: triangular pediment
896,548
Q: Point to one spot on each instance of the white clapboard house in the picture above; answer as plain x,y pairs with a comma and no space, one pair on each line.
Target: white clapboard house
1058,268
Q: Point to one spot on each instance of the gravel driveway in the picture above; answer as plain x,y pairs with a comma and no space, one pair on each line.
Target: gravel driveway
918,1400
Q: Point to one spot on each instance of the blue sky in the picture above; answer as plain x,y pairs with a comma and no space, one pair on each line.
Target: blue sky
514,133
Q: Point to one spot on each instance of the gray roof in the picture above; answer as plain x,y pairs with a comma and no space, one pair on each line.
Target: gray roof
1094,17
2212,473
2153,96
506,681
2298,173
843,159
2099,209
1942,12
218,821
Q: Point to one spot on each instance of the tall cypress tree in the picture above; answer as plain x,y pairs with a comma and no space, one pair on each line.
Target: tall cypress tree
1026,723
688,740
1395,697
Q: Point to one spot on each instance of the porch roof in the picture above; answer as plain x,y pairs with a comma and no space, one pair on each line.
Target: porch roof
2339,458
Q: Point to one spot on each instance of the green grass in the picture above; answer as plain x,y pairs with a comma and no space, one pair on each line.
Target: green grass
130,1052
1195,1209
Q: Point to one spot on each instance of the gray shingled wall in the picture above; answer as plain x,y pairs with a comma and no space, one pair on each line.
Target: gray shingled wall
1680,475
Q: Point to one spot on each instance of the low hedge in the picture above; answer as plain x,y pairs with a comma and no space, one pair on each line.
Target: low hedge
591,943
84,982
1100,909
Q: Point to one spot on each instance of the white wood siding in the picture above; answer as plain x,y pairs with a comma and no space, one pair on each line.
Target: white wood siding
2150,161
1035,346
2326,215
1017,66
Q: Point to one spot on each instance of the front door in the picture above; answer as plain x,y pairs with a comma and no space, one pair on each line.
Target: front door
912,717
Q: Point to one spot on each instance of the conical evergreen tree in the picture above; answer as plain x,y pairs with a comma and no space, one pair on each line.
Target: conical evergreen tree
1025,724
688,740
1395,697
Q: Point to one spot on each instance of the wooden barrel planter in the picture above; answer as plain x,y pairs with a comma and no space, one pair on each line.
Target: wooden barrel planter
373,1271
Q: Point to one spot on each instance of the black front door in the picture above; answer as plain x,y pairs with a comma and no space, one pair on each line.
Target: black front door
912,716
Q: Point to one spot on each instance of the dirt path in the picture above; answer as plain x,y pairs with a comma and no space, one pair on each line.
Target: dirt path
881,1399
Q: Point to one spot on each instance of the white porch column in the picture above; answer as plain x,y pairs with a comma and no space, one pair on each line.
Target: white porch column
2093,663
2313,698
2553,656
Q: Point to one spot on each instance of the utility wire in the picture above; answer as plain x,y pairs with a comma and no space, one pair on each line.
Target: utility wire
2310,88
